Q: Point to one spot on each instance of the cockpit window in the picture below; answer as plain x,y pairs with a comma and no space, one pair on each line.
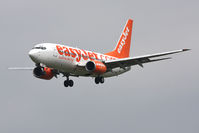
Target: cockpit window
43,48
39,47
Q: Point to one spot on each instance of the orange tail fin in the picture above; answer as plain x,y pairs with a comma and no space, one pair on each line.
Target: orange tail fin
123,46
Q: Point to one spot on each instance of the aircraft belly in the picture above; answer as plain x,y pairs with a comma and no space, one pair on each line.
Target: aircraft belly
116,71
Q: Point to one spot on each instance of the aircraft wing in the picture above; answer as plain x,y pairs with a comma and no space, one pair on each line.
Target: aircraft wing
139,60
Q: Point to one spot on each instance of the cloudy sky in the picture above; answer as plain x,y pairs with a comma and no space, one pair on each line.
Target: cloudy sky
162,97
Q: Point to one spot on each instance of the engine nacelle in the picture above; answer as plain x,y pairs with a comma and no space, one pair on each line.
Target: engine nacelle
43,73
96,67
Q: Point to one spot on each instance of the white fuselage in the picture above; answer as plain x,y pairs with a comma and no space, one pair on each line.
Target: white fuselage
70,60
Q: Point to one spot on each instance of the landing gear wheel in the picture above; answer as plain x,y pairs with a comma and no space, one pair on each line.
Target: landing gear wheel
97,80
70,83
66,83
101,79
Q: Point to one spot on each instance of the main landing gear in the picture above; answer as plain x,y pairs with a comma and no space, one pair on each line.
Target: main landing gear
99,80
68,82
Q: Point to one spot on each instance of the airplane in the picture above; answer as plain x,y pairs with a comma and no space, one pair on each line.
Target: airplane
52,59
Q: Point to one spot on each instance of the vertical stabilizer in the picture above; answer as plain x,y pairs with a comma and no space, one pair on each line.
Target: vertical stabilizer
122,49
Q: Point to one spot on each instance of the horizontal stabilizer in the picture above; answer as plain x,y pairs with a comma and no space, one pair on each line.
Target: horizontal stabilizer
21,68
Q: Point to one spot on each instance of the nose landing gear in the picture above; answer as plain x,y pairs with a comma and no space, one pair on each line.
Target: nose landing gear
99,80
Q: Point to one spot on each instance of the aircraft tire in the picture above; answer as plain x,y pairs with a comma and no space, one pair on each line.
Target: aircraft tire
66,83
70,83
97,80
101,79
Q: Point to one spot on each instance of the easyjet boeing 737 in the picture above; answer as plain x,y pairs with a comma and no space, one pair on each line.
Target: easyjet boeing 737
53,59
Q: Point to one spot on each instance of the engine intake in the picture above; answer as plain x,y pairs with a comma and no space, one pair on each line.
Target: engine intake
96,67
43,73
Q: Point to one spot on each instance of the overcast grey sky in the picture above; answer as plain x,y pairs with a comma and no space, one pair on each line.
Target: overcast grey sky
163,97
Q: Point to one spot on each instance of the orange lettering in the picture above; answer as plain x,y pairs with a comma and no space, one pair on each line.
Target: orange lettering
101,56
73,53
90,55
95,56
85,57
66,51
59,49
106,57
78,55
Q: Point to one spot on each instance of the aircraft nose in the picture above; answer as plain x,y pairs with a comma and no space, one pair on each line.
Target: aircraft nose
33,54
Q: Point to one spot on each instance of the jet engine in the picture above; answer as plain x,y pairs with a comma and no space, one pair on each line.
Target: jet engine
43,73
96,67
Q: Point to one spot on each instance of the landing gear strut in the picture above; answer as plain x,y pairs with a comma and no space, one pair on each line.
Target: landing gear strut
68,82
99,80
